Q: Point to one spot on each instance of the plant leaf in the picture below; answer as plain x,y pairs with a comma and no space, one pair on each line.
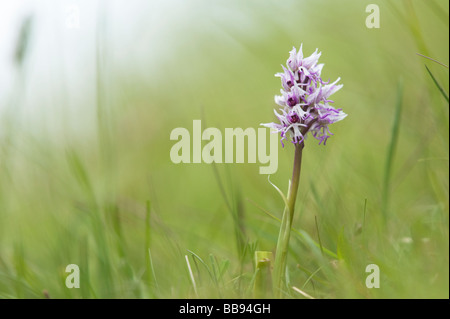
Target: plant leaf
437,84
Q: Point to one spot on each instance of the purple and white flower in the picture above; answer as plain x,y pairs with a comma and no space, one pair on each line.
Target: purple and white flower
305,100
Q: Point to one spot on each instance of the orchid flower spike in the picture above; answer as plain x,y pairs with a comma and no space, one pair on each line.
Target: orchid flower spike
304,100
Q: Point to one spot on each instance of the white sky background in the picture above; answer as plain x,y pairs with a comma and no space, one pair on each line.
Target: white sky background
60,64
58,85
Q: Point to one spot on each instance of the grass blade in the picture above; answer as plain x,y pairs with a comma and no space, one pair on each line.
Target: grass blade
318,235
431,59
147,242
195,256
152,269
391,150
301,292
437,84
191,275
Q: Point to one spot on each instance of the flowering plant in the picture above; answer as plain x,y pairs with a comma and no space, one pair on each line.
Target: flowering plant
304,99
305,107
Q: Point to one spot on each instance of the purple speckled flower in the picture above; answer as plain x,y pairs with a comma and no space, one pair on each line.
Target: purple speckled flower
304,99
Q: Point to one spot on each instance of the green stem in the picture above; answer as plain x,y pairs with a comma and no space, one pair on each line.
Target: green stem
286,224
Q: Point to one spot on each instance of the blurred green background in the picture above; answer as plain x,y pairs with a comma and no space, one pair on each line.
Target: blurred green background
86,177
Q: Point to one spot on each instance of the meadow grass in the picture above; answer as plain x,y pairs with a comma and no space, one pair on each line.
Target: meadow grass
95,186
